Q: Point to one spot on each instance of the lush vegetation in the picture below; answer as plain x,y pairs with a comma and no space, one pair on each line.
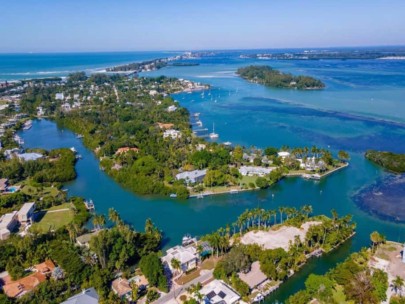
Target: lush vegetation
273,78
388,160
277,264
351,280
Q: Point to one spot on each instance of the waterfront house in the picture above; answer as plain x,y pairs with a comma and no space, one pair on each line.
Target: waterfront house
173,134
26,213
283,154
59,96
192,177
29,156
218,292
87,296
121,287
171,108
255,171
65,107
186,255
7,224
84,239
254,277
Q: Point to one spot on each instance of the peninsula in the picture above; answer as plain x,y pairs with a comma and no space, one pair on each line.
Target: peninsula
388,160
273,78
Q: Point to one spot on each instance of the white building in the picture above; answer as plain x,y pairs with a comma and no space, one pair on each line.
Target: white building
66,107
187,256
59,96
173,134
192,177
171,108
283,154
252,171
217,292
7,223
25,215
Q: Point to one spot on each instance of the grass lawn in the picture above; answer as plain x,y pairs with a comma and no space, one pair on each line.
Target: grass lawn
59,207
209,263
54,220
185,278
31,190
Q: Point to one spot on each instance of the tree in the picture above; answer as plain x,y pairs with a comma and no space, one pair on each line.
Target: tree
262,183
343,156
397,284
98,221
152,268
134,292
114,216
376,239
175,263
152,295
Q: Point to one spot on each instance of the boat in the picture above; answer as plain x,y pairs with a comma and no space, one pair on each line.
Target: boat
173,195
199,123
188,240
73,149
27,125
234,191
89,205
79,136
78,156
213,135
227,143
200,196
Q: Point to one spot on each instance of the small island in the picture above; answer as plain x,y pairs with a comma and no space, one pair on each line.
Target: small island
388,160
273,78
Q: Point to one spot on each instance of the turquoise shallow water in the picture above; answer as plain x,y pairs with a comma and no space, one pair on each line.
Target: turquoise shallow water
362,107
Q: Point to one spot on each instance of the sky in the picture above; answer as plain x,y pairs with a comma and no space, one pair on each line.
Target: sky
141,25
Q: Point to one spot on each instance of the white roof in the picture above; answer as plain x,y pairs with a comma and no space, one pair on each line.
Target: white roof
255,170
26,208
191,174
283,153
183,254
29,156
218,292
7,219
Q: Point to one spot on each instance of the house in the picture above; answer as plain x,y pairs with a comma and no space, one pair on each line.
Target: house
125,150
18,288
173,134
65,107
87,296
187,256
59,96
254,277
153,93
7,224
217,292
171,108
192,177
84,239
165,125
252,171
283,154
3,184
25,215
121,287
29,156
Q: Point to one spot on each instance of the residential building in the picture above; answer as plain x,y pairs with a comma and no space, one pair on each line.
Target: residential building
173,134
187,256
3,184
283,154
87,296
171,108
192,177
125,150
26,213
252,171
29,156
217,292
254,277
59,96
66,107
84,239
121,287
165,125
7,224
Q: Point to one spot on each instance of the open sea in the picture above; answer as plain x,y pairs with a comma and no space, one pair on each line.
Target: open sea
362,107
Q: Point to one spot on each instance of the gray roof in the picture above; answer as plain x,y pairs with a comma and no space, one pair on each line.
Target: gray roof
87,296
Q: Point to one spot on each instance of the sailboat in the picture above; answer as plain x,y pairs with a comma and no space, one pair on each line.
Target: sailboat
213,135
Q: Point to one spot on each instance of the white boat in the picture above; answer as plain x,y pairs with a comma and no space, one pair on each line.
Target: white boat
27,125
79,136
173,195
227,143
73,149
213,135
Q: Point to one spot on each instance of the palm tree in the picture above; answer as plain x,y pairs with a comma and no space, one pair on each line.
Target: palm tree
114,216
281,210
175,263
98,221
397,284
376,239
71,228
307,210
134,292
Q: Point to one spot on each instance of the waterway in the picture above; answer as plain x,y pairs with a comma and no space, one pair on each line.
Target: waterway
361,108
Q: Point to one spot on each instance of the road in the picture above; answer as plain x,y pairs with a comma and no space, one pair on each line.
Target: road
174,293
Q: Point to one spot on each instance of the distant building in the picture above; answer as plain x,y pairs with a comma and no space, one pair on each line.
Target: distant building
252,171
171,108
165,126
3,184
66,107
59,96
121,287
125,150
173,134
26,213
192,177
283,154
218,292
87,296
29,156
